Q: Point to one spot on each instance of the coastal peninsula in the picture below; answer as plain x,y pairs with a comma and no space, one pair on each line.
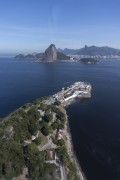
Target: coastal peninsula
35,140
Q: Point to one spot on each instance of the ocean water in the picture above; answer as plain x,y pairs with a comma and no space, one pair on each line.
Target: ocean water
94,123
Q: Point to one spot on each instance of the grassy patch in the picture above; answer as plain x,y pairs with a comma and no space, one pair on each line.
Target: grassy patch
44,140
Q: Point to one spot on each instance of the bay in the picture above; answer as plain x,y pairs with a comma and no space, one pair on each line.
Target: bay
94,123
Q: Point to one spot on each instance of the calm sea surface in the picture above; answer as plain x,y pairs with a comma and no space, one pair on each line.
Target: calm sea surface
94,123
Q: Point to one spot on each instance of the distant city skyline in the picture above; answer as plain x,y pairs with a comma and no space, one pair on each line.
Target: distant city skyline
31,26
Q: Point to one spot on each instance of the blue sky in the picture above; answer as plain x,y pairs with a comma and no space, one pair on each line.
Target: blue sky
31,25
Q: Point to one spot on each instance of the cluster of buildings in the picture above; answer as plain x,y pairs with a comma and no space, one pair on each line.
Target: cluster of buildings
78,57
78,89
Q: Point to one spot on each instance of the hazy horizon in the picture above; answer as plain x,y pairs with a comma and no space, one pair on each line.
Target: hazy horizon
32,52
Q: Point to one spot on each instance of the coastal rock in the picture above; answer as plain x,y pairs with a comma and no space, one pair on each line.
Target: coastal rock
50,53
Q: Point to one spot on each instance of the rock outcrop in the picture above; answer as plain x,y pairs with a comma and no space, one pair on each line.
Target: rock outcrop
50,53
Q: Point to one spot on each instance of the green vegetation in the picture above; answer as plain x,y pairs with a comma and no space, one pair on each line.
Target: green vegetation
27,106
72,175
38,140
61,142
63,155
14,156
40,100
47,125
48,118
33,112
50,170
46,130
44,107
34,160
44,139
57,125
57,103
55,109
18,150
37,101
58,112
11,158
60,118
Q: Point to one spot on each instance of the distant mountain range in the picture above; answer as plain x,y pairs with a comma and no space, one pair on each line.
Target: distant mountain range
50,55
92,51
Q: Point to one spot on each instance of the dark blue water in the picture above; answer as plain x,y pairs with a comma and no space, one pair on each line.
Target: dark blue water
94,123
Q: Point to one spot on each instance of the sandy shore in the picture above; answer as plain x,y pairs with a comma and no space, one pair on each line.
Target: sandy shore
72,155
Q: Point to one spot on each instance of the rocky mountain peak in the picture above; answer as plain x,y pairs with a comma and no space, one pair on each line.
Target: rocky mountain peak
51,53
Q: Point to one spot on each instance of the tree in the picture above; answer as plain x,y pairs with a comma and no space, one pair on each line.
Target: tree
62,154
37,101
34,161
48,117
60,115
33,128
61,126
11,158
57,103
72,175
44,107
49,171
33,112
60,142
57,125
31,149
46,130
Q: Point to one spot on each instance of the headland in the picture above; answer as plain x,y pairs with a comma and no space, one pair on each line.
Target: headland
41,130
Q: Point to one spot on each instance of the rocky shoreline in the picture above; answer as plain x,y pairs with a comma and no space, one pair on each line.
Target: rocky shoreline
71,152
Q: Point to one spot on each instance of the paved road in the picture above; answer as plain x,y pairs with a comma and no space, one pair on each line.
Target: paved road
63,174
